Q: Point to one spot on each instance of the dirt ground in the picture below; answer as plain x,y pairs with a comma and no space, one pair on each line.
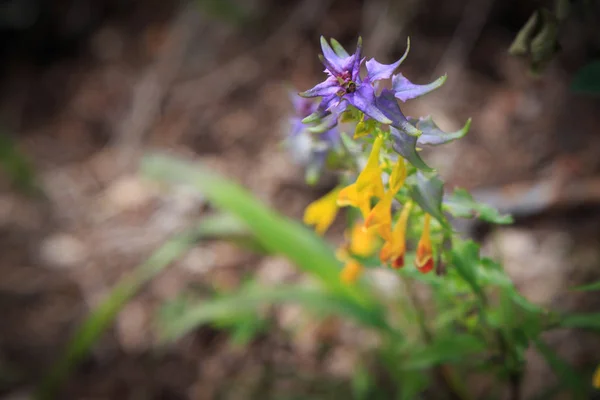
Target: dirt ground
151,76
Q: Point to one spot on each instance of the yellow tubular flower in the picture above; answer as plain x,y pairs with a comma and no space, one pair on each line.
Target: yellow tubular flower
596,378
351,271
394,248
381,215
322,212
367,185
424,259
362,244
362,241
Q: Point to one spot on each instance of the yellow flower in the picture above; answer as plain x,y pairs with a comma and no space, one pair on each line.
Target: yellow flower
395,246
367,185
424,259
322,212
380,216
362,241
351,272
362,244
596,378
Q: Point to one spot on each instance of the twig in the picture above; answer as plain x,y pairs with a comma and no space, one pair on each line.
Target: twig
152,87
467,32
444,372
219,83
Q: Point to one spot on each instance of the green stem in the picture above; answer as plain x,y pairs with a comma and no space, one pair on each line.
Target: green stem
444,372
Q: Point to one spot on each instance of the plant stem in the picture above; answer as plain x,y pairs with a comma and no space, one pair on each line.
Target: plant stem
443,372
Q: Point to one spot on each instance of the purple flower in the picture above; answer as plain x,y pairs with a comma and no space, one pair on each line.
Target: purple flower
302,109
344,84
405,90
311,143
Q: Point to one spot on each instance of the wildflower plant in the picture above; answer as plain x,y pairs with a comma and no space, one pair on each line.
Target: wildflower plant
384,178
476,322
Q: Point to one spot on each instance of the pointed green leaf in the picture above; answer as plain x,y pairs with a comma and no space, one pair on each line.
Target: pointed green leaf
428,192
462,205
274,232
102,316
520,46
433,135
406,146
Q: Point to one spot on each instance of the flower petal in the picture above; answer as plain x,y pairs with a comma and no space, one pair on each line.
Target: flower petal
339,49
406,90
322,212
357,61
328,87
351,272
335,62
364,100
424,257
387,104
405,145
377,71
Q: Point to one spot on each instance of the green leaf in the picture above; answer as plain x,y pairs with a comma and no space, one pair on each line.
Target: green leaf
227,10
428,192
406,146
587,79
461,205
587,288
273,231
16,165
520,46
568,376
253,296
450,348
433,135
102,317
412,384
465,258
222,226
362,383
538,40
582,321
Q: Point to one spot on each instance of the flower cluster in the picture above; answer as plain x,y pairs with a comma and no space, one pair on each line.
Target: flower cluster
385,178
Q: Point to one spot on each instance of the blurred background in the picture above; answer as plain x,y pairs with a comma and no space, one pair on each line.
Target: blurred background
87,87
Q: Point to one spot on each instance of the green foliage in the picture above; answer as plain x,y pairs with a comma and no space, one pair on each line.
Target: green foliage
588,288
587,79
16,166
538,40
227,10
428,192
479,322
581,321
570,379
461,205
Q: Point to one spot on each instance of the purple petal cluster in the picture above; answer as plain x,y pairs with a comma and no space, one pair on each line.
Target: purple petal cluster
312,142
344,85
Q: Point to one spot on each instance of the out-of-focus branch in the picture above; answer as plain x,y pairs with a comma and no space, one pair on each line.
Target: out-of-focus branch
219,83
150,90
467,32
